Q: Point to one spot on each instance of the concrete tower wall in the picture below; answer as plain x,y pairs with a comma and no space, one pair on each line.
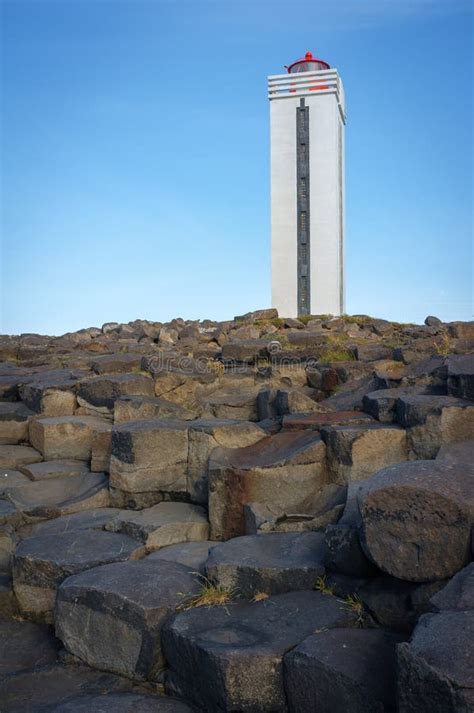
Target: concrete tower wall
325,208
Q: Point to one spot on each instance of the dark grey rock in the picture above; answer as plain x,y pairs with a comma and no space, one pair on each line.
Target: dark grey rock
54,469
87,520
344,552
461,376
230,658
41,563
436,668
125,605
273,563
413,409
342,671
431,321
397,605
454,453
24,645
122,703
38,690
190,554
103,391
417,519
458,594
61,496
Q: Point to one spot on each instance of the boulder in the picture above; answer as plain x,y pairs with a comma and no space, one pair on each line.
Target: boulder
462,452
234,404
124,702
24,645
164,524
117,363
54,469
458,594
125,605
461,376
342,670
95,519
41,563
381,403
417,518
286,471
273,564
38,690
14,419
61,496
190,554
12,457
66,437
206,435
101,392
247,351
355,452
52,392
230,658
432,421
435,669
150,455
135,408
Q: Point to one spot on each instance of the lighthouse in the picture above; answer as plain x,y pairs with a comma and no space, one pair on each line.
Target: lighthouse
307,120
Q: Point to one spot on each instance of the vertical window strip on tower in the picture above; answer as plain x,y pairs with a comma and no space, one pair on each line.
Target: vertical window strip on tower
302,194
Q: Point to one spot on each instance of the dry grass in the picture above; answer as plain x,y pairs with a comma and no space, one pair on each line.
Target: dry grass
260,597
322,586
443,346
336,350
355,604
211,595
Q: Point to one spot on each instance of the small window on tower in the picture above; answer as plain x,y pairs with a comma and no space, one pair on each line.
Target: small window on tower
303,188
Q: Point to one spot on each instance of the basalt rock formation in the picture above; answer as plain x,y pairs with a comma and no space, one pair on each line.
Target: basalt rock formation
264,515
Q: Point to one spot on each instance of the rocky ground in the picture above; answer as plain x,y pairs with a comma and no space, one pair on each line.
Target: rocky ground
260,515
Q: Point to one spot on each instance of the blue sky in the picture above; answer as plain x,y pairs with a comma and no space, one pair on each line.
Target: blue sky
135,156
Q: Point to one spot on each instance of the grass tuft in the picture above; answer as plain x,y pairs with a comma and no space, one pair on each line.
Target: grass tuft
443,347
260,597
211,595
322,586
355,604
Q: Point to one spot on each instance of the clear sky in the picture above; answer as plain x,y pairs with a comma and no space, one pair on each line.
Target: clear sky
135,163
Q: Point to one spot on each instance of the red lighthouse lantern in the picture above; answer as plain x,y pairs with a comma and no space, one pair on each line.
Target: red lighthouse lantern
308,64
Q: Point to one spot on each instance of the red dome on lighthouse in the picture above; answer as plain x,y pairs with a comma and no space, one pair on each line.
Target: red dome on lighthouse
307,64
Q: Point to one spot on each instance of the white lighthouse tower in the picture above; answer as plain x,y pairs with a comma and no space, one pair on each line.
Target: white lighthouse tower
307,116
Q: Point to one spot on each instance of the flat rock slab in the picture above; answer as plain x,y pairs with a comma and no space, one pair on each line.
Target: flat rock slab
54,469
95,519
12,479
272,563
164,524
417,519
111,616
316,421
14,417
14,456
190,554
24,645
286,471
67,437
38,690
343,670
122,703
458,594
61,496
230,658
41,563
436,669
413,409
